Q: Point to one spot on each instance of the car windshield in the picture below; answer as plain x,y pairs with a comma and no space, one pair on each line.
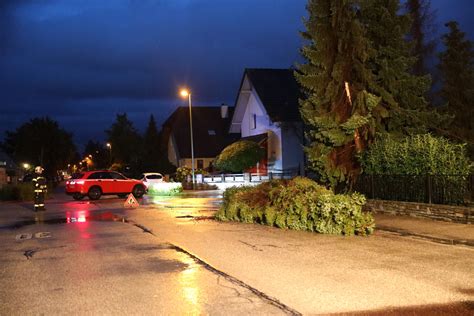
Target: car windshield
77,175
154,176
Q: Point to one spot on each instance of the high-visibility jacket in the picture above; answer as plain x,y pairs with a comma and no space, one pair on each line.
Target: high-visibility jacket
40,184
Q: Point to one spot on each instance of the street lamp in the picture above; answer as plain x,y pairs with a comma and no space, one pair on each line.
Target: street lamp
109,146
186,93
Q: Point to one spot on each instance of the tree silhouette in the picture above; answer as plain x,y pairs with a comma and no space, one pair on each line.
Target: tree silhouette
41,142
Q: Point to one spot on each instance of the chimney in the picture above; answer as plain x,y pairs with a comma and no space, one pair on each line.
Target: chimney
224,111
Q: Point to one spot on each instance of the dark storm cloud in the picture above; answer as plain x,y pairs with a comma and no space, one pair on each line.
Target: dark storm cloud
145,49
83,61
70,58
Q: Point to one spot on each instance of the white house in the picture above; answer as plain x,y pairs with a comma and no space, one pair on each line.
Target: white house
267,111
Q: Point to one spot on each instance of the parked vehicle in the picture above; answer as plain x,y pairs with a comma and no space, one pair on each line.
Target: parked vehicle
94,184
149,178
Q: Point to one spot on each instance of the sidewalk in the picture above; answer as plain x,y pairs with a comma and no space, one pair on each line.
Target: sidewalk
436,231
323,274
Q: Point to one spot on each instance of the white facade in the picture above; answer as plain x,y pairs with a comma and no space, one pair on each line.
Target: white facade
284,147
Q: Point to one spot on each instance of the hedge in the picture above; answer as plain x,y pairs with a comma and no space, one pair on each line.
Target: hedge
17,192
299,204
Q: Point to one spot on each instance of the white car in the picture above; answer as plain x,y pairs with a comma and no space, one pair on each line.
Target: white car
151,178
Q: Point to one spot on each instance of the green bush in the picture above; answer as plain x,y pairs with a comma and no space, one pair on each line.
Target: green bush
165,189
183,172
239,156
416,161
299,204
17,192
416,155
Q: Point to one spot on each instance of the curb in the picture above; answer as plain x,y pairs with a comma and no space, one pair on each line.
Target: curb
271,300
439,240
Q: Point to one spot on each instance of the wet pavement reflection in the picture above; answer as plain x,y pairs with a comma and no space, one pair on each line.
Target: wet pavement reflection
71,217
97,261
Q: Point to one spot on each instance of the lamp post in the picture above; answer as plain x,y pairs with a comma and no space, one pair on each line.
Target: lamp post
109,146
186,93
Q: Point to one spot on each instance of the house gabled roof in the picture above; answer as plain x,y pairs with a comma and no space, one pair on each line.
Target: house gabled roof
210,131
279,92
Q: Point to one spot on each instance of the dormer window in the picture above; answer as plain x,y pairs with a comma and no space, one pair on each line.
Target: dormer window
211,132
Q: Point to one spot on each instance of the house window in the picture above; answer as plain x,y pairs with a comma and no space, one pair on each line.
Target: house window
211,132
200,164
253,121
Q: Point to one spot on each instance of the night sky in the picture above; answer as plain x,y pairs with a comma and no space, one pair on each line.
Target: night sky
83,61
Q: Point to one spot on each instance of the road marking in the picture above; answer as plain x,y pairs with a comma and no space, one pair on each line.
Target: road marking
23,236
43,235
38,235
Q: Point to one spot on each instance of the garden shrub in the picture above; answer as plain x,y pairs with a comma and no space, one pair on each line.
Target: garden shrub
17,192
269,215
182,173
415,161
239,156
416,155
299,204
9,193
165,189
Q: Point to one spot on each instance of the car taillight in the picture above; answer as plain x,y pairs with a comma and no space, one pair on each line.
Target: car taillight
75,182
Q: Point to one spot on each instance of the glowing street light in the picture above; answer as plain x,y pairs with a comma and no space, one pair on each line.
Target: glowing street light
109,146
26,166
186,93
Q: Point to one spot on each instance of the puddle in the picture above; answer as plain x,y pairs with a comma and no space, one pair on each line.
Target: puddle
167,266
71,218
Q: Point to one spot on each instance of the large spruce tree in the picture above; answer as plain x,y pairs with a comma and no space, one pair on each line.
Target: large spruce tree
151,147
420,34
357,82
404,109
125,140
457,71
337,108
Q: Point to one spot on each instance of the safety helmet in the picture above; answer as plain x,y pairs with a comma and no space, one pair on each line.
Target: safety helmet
38,169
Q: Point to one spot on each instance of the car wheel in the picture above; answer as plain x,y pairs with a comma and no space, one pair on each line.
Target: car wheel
94,193
122,195
138,191
77,196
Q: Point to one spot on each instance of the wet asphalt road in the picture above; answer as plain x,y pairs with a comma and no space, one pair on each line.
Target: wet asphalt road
93,258
86,259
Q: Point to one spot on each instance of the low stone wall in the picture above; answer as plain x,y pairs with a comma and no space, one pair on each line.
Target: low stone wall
449,213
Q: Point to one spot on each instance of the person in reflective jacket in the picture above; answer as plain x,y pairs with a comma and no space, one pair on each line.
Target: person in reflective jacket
40,188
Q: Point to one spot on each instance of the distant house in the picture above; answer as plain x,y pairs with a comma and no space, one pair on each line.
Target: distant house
210,135
7,169
267,112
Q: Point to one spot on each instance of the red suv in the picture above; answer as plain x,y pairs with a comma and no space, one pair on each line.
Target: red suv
94,184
